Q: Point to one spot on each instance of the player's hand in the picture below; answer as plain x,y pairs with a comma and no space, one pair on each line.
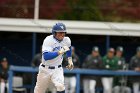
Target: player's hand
63,50
70,65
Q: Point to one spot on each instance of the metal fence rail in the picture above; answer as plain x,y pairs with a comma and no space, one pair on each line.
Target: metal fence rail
77,72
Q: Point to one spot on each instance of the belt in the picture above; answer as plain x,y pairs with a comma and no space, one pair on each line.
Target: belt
51,67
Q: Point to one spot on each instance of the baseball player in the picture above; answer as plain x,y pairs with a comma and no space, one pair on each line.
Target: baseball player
120,82
92,61
50,69
4,75
135,65
109,63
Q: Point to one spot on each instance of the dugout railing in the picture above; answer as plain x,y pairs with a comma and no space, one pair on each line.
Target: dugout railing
77,72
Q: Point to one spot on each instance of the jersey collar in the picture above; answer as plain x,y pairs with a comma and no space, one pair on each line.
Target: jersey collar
56,39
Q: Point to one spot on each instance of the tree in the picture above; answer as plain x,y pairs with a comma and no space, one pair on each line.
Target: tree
121,10
82,10
17,8
91,10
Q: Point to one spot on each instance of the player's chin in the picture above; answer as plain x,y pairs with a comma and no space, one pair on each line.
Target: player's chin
61,38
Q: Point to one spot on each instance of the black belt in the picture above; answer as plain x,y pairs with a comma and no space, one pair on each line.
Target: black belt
51,67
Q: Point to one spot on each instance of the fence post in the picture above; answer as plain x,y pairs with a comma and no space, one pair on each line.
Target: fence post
10,80
107,42
77,82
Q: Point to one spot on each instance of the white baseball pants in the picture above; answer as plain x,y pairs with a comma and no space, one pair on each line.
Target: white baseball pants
45,75
89,85
107,84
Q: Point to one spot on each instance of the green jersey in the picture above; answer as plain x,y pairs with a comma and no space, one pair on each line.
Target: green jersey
110,63
120,62
119,80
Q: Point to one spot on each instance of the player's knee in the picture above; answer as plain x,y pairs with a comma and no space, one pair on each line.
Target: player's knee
38,90
60,87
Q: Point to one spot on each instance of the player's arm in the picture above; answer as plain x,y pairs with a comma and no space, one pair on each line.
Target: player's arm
47,50
70,65
69,54
52,55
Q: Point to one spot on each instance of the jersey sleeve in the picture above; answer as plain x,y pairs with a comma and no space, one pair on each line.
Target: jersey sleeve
47,46
68,41
132,64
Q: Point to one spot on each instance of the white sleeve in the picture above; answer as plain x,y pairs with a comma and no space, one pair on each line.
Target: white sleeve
46,47
68,41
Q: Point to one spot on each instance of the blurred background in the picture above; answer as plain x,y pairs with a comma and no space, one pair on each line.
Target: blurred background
104,24
77,10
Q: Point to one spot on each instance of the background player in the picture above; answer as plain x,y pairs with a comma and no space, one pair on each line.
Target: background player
120,82
50,70
4,75
92,61
135,65
109,63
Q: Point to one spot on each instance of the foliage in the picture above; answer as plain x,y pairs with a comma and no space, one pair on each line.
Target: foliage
90,10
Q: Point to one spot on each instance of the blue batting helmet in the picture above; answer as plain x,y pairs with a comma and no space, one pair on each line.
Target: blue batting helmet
58,27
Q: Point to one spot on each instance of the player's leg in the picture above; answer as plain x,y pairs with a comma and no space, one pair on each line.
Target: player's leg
42,82
92,84
2,87
136,87
51,87
86,85
111,83
72,84
116,89
127,90
107,84
67,83
58,80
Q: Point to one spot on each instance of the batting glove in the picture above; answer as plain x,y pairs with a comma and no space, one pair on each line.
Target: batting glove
70,65
63,50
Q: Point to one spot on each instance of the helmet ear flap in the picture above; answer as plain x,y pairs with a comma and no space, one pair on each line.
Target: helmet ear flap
54,33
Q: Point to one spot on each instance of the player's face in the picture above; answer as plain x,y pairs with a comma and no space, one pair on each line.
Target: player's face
119,53
95,53
60,35
4,64
73,51
110,54
138,54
